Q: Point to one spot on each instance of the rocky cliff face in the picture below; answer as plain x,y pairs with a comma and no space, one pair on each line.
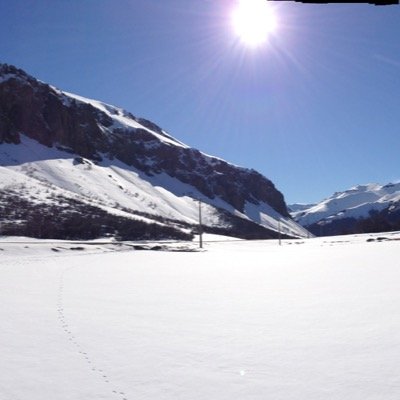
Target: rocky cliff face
95,130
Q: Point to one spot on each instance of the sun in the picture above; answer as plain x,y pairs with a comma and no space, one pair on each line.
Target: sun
253,21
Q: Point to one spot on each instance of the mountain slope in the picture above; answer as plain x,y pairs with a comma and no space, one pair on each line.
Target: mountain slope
362,208
105,157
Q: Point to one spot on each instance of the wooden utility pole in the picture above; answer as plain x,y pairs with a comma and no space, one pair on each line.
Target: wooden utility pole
279,229
200,227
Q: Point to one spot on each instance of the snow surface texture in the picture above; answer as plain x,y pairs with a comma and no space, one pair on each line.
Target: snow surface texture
353,203
314,319
42,174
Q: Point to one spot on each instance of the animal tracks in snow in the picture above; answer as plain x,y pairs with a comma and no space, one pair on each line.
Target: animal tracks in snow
72,338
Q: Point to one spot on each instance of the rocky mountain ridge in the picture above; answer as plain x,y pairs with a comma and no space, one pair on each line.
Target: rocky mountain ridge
98,134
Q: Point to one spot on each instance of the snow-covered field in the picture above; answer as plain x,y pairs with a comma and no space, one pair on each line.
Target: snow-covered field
311,319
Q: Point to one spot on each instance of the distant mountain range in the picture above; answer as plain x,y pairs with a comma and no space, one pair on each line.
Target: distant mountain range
361,209
72,167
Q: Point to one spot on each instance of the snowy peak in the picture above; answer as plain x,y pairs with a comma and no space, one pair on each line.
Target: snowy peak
95,131
8,72
344,209
299,207
94,135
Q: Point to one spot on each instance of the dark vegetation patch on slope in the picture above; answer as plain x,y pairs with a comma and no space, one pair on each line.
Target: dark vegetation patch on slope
70,219
74,220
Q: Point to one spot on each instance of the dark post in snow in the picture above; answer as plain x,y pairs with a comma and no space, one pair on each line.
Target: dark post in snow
200,227
279,229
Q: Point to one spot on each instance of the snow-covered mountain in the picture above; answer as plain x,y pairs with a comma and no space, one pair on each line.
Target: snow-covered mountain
72,166
363,208
299,207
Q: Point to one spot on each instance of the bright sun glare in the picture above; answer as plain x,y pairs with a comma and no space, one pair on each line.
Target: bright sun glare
253,21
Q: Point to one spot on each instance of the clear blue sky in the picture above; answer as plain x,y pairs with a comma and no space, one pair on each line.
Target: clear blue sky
316,109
